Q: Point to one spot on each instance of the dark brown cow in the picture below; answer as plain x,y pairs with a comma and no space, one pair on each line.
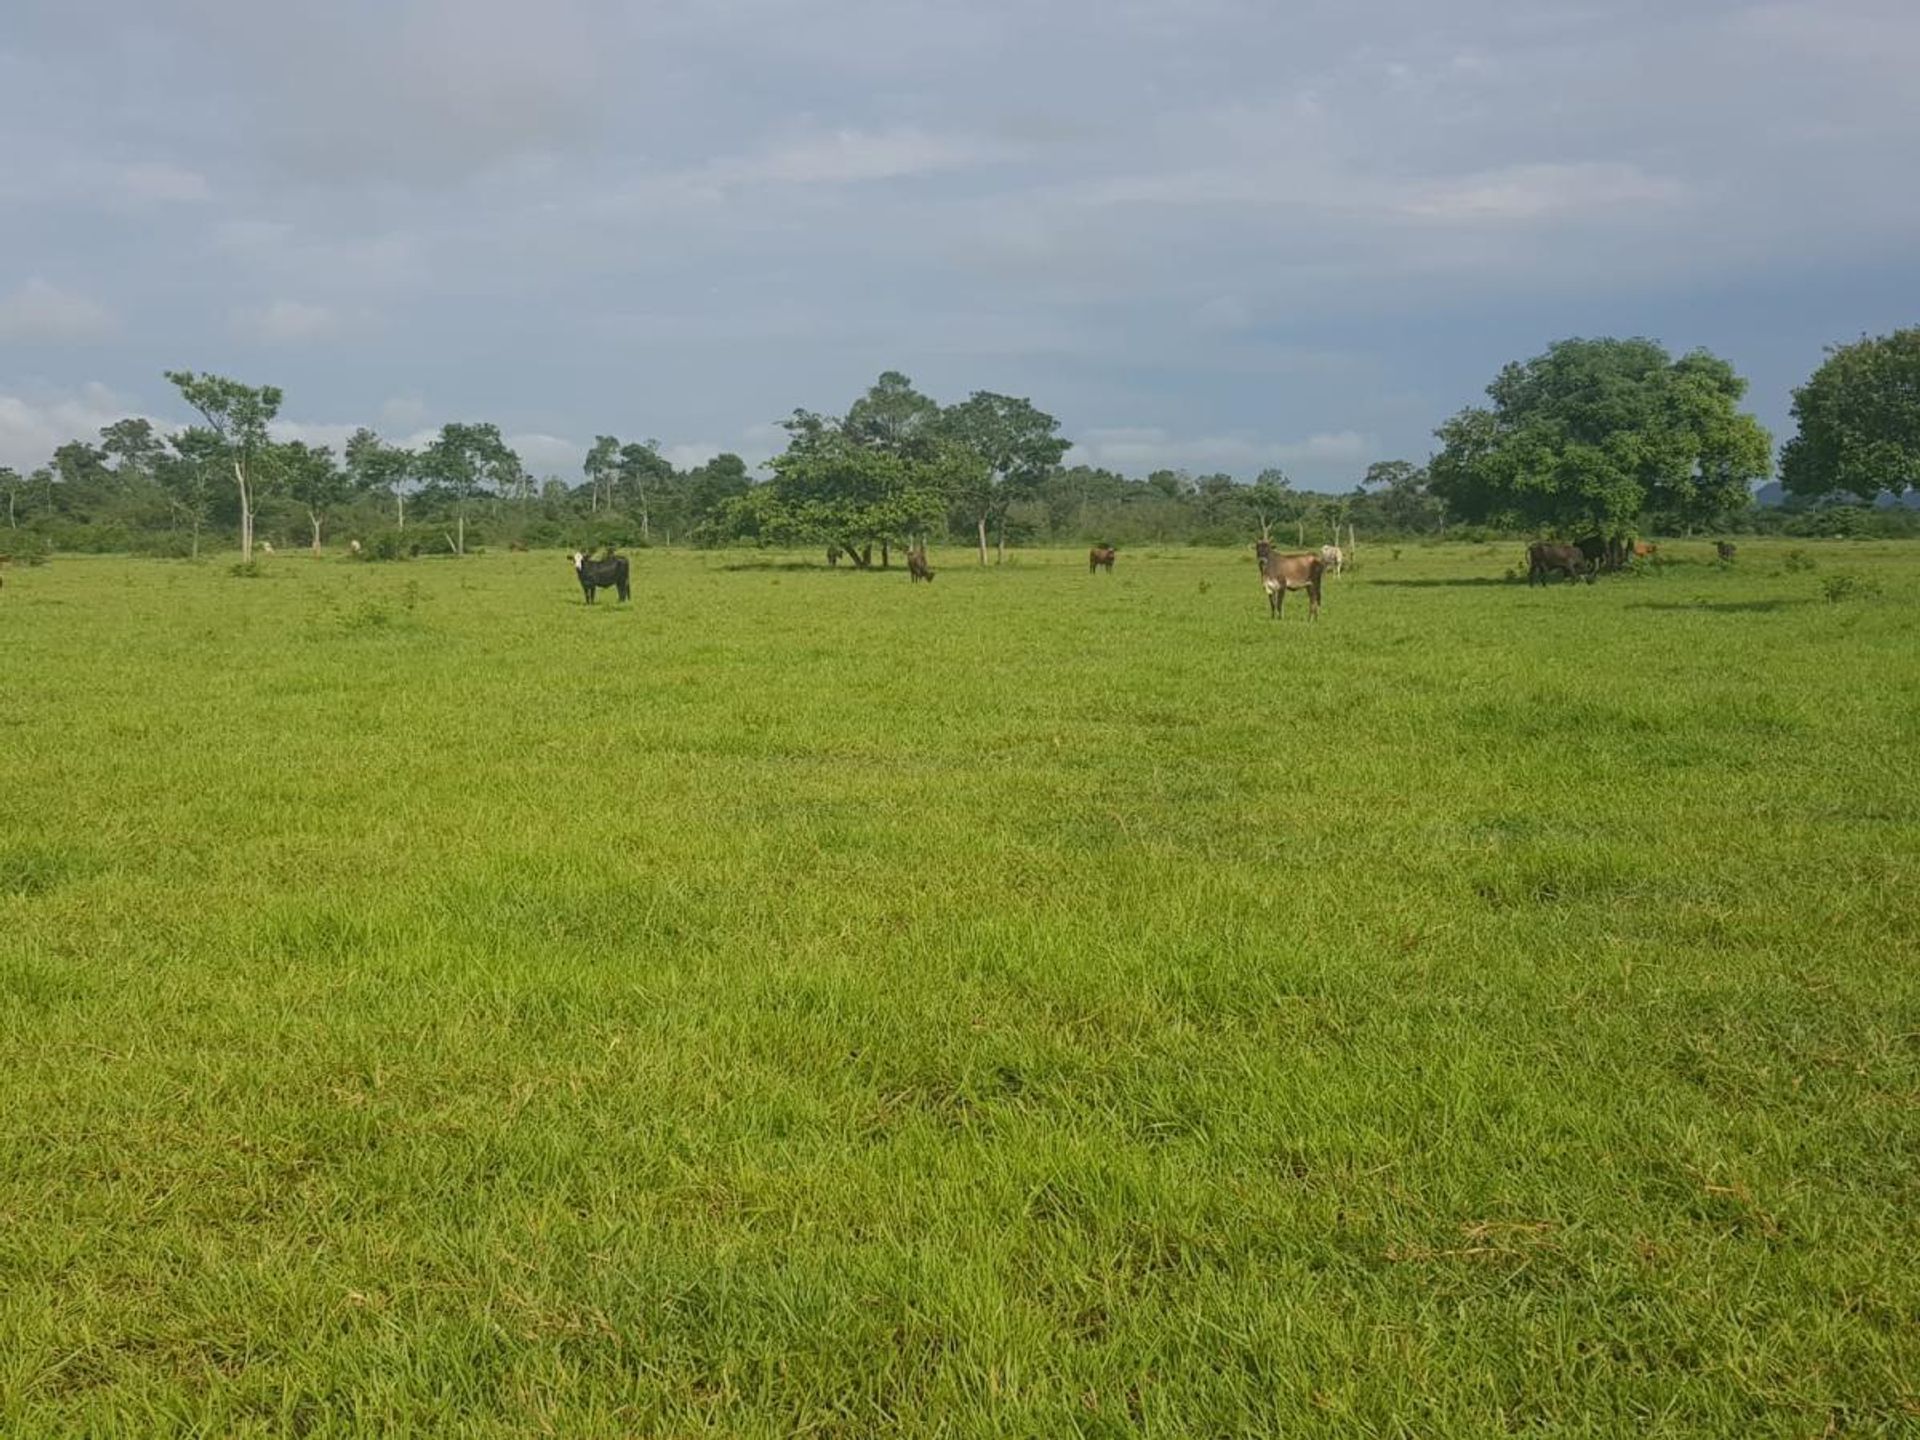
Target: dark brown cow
1725,549
1281,573
1570,560
917,567
1100,555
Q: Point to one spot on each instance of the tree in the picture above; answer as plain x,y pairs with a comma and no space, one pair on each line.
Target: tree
641,465
238,415
1017,446
136,448
1271,499
462,458
1592,434
1859,421
602,464
711,488
377,468
1402,503
188,475
316,483
16,489
895,417
828,488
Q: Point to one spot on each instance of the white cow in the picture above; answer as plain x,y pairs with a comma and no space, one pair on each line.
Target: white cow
1333,558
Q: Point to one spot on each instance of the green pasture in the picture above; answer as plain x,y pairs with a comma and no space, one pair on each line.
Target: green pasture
799,1002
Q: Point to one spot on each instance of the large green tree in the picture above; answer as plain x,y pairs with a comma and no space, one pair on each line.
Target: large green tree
1594,434
1859,421
238,416
829,488
378,469
1017,446
462,458
310,475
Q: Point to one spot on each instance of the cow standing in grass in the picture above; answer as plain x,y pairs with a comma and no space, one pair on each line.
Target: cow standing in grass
917,566
601,574
1099,556
1333,558
1543,556
1281,573
1725,549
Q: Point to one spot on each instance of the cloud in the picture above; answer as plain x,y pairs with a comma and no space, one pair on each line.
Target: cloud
548,454
39,311
165,184
1526,193
1139,449
403,411
843,157
33,426
282,322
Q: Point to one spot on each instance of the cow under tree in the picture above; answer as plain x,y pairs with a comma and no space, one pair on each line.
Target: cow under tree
1100,556
1545,556
609,572
917,566
1281,573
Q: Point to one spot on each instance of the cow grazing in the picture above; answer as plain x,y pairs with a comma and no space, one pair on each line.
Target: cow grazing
353,547
519,547
1645,549
1572,561
601,574
1098,556
1725,549
1333,558
833,555
266,547
1281,573
917,566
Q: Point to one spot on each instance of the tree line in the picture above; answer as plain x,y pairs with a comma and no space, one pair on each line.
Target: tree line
1595,436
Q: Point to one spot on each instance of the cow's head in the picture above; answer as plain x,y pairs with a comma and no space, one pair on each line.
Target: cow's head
579,559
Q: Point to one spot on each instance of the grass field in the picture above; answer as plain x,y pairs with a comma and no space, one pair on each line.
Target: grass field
799,1002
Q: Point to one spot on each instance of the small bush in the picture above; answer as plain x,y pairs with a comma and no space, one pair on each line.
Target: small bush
1848,587
388,545
1797,561
247,570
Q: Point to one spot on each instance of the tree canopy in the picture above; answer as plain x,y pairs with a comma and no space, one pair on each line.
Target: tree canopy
1859,421
1594,435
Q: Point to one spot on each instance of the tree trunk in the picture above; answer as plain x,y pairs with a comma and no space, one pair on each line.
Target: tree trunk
886,555
1002,559
460,523
983,540
399,509
646,528
196,537
314,520
1303,532
246,512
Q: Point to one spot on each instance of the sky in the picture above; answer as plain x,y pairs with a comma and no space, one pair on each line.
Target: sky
1205,234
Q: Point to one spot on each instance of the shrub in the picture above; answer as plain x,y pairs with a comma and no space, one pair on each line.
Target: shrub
1797,561
1848,587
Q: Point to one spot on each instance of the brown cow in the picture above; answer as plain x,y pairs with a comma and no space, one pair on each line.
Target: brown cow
1642,549
1725,549
917,567
1281,573
1570,560
1100,555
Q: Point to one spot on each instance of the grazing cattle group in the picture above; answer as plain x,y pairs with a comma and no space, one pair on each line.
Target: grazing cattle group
1099,557
608,572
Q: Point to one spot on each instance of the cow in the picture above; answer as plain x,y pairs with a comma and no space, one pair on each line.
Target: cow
833,555
518,547
1645,549
353,547
601,574
1098,556
1570,560
1333,558
1281,573
917,567
266,547
1725,549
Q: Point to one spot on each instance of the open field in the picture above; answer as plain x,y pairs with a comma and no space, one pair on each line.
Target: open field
1034,1004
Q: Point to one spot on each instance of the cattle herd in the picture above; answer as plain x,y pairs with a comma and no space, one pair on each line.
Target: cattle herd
1279,572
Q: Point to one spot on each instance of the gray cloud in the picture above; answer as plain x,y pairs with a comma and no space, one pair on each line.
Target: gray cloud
1200,230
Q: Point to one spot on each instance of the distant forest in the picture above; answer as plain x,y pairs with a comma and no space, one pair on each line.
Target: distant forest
1611,436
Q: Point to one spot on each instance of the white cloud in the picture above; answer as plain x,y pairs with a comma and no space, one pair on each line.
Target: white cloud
1523,193
33,426
847,156
403,411
160,182
41,311
548,454
1138,449
287,322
